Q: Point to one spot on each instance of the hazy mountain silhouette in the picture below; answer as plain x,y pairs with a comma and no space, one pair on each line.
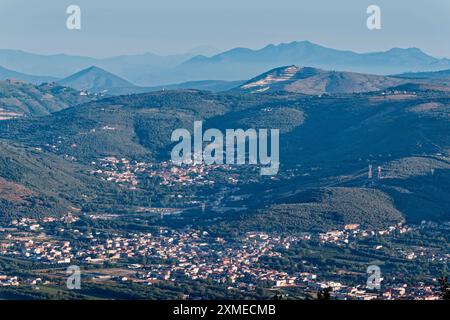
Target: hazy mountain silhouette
62,65
442,74
241,63
13,75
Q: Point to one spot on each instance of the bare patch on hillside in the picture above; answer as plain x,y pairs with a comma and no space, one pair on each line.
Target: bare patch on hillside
13,192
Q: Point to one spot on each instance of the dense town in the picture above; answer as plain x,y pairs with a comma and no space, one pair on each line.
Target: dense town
126,172
173,255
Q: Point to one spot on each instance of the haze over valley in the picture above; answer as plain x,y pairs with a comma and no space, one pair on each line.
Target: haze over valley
85,155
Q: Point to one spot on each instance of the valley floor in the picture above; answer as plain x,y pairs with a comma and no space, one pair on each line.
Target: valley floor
167,263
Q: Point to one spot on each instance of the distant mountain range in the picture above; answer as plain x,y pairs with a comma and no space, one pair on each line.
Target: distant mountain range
131,67
293,79
290,79
442,74
10,74
240,63
97,80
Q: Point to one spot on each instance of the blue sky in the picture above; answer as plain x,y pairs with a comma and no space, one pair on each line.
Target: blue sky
175,26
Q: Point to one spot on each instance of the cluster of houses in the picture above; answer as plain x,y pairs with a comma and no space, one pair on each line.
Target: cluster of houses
120,171
354,231
124,171
46,251
195,256
6,281
174,255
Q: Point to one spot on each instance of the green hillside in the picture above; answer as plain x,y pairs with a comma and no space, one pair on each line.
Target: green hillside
19,99
327,144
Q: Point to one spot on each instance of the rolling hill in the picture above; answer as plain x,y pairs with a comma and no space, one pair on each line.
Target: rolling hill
134,126
19,99
314,81
322,210
6,74
34,183
97,80
327,143
205,85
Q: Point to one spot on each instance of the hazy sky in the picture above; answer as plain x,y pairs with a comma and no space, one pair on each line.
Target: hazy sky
112,27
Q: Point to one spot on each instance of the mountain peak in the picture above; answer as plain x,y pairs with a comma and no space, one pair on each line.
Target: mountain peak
304,43
94,69
275,78
313,81
413,51
95,79
244,63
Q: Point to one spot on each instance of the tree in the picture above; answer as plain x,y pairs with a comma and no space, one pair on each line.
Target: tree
278,296
324,294
445,288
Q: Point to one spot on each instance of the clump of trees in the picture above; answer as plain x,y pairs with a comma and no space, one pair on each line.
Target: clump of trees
324,294
445,288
